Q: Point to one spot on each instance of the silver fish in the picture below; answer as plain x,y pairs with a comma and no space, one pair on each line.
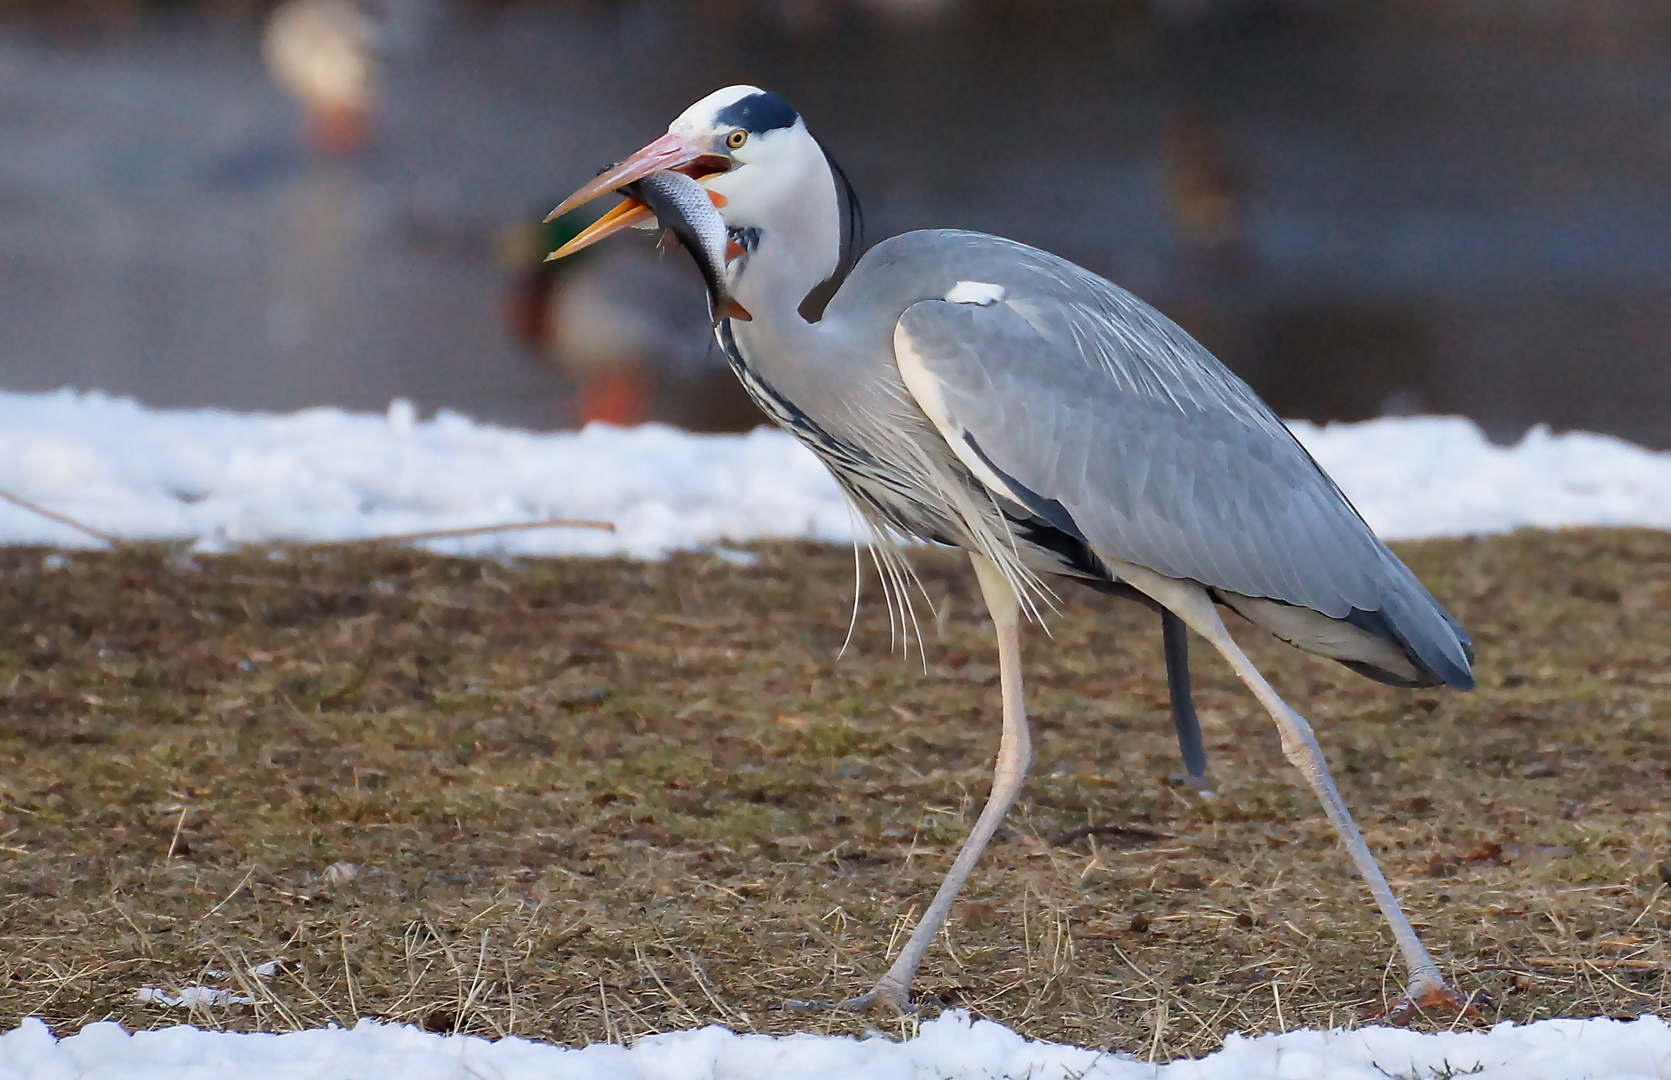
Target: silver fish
683,207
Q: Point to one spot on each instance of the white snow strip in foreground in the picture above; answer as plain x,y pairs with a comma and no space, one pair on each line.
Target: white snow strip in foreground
227,479
948,1048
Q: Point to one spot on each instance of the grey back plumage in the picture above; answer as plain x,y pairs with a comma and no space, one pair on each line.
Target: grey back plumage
1108,421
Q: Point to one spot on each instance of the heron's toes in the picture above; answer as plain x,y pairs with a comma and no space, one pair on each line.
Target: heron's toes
806,1005
886,997
1435,1000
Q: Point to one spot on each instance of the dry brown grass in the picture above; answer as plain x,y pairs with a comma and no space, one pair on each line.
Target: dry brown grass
587,800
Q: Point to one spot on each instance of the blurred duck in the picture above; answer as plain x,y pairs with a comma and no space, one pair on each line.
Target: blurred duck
619,323
324,54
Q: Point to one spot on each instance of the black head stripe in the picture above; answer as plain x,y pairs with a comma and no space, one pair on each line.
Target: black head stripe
756,113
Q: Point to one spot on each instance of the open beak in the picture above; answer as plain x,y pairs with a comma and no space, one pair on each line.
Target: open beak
631,212
668,152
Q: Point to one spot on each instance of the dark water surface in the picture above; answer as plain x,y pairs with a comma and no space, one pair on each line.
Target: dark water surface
1358,218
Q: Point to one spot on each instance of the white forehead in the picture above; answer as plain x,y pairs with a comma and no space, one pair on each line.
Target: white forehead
700,117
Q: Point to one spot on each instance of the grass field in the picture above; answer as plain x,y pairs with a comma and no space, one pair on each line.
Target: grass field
586,800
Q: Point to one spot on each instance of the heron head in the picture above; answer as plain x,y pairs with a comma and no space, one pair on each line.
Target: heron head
754,152
739,142
763,170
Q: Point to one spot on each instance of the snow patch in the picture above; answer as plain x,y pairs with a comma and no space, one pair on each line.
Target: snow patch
950,1047
219,479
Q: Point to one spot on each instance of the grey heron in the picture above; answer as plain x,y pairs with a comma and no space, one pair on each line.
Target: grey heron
980,393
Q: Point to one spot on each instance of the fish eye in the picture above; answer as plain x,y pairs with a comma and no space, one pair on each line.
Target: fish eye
736,139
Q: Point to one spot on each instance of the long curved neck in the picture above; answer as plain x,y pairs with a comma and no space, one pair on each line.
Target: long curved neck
773,280
792,246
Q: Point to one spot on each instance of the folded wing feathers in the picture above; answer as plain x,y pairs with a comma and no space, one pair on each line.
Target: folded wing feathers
1163,457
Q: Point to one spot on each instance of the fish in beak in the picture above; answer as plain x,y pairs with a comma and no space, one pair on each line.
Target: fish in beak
668,152
659,186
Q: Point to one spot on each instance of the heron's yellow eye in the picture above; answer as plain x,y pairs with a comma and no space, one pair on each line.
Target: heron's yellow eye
736,138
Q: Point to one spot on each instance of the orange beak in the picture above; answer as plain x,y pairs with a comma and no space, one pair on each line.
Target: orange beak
668,152
631,212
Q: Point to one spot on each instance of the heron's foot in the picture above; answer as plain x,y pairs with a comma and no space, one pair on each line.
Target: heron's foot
805,1005
1434,999
886,996
1202,787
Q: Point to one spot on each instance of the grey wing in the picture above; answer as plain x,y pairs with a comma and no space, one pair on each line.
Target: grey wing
1111,422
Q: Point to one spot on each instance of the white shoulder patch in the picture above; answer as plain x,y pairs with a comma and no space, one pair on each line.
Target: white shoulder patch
975,292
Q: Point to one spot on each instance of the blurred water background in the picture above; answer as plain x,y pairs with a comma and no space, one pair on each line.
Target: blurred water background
1452,206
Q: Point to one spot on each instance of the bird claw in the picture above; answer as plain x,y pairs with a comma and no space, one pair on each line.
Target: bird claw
1435,999
805,1005
885,996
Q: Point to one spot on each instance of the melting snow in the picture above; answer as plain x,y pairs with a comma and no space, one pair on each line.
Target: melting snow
950,1047
226,479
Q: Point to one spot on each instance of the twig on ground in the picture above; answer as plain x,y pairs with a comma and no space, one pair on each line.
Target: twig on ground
256,988
656,975
1128,831
571,934
174,843
476,991
452,534
53,515
144,938
610,1034
348,973
226,900
1575,962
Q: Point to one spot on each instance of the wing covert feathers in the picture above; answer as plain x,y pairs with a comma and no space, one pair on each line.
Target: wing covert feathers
1079,393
